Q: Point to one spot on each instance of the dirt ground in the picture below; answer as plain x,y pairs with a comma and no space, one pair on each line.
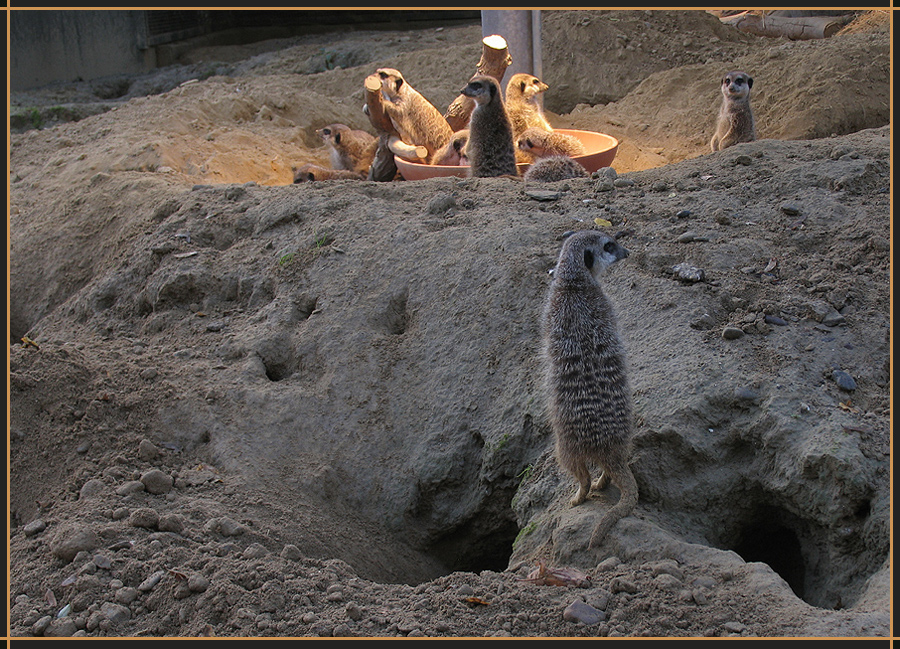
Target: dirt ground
244,407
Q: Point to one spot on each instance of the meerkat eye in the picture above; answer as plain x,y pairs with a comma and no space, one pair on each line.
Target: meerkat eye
588,259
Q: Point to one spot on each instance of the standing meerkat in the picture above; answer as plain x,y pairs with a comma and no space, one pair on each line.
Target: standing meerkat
590,402
416,119
735,122
490,149
350,149
541,143
454,154
522,103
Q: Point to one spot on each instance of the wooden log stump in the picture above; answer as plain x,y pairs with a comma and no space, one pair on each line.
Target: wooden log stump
793,28
495,59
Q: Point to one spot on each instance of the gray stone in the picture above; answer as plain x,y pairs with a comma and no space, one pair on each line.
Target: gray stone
91,488
844,381
583,613
157,482
70,540
144,517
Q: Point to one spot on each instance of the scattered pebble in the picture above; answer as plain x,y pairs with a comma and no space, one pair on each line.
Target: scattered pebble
71,540
157,482
147,451
542,194
91,489
688,273
150,582
790,209
292,552
34,527
732,333
775,320
144,517
844,380
582,613
683,214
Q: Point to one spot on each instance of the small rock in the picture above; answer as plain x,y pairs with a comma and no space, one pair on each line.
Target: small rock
440,203
583,613
171,523
147,451
61,628
606,172
292,552
69,541
102,561
130,487
790,209
688,273
39,627
255,551
623,182
833,319
620,585
149,373
542,194
144,517
126,595
34,527
150,582
608,564
229,527
844,380
687,237
659,186
91,488
197,583
732,333
734,627
743,160
157,482
604,185
353,611
115,613
775,320
682,214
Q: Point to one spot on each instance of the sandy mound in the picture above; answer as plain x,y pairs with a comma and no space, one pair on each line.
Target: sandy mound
249,408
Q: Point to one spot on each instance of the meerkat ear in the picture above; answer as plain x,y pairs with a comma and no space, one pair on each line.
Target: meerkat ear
337,138
398,84
588,259
523,86
749,82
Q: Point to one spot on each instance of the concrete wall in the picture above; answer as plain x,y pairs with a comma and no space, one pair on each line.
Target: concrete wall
64,45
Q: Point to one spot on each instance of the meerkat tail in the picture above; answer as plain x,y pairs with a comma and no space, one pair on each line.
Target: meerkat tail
623,478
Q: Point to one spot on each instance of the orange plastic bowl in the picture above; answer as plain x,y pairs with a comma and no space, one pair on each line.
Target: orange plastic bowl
600,152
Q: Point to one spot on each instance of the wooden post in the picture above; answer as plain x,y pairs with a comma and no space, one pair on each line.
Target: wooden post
495,59
383,166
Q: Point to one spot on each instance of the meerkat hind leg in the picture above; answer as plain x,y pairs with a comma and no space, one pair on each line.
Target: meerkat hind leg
583,475
601,482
